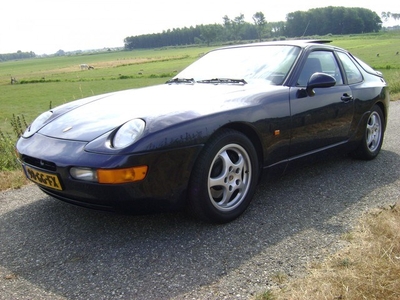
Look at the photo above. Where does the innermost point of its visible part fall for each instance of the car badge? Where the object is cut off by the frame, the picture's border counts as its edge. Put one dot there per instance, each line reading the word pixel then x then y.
pixel 67 129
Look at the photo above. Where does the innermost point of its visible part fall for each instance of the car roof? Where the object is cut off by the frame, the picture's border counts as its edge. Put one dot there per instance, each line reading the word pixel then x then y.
pixel 298 43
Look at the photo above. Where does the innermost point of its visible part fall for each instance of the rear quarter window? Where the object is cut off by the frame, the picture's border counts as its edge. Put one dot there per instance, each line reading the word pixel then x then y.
pixel 352 73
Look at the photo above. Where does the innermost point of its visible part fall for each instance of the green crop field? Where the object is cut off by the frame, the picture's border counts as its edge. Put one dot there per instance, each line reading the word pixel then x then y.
pixel 51 81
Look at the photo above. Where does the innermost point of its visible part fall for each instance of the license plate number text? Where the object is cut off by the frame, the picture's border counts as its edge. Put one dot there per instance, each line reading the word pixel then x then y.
pixel 42 178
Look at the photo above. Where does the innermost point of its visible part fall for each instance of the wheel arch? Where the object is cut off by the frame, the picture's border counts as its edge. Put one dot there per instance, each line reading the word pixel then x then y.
pixel 384 111
pixel 252 135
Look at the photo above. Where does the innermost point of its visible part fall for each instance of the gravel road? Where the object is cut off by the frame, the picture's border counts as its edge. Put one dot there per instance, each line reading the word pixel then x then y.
pixel 52 250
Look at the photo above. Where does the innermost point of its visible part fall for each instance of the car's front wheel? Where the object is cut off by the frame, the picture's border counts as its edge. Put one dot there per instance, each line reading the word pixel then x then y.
pixel 372 140
pixel 224 177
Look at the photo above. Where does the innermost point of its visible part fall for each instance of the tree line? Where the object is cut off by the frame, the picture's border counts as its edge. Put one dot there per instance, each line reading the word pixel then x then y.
pixel 318 21
pixel 17 55
pixel 332 20
pixel 387 15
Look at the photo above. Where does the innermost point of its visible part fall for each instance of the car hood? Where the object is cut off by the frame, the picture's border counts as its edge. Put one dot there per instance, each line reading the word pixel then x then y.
pixel 162 105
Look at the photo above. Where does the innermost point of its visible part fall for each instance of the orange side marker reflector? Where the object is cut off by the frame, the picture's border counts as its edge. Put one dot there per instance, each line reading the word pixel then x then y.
pixel 114 176
pixel 277 132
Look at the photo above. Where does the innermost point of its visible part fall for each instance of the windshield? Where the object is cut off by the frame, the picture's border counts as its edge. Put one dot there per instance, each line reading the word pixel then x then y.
pixel 270 64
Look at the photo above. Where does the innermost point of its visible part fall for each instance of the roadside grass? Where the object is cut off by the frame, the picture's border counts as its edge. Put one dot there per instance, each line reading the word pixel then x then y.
pixel 11 175
pixel 368 268
pixel 393 79
pixel 12 179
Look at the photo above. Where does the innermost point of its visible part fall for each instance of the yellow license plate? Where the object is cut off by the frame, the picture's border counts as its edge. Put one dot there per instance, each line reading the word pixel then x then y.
pixel 42 178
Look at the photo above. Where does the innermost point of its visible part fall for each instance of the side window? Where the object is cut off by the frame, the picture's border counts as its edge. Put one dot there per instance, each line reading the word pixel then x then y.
pixel 353 74
pixel 320 61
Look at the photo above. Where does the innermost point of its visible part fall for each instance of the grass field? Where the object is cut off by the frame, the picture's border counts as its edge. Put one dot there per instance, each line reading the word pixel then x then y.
pixel 51 81
pixel 56 80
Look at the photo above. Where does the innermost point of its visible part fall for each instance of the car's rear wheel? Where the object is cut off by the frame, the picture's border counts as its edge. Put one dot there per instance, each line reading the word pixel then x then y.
pixel 224 177
pixel 372 140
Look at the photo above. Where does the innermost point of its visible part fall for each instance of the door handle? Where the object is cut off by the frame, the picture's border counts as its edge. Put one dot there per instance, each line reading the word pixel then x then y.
pixel 346 97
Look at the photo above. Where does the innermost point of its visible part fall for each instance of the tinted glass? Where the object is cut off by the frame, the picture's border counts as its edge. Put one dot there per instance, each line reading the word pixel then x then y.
pixel 353 74
pixel 320 61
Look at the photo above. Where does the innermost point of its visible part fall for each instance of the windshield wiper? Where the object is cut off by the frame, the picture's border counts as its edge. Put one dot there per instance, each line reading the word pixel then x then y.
pixel 223 80
pixel 181 80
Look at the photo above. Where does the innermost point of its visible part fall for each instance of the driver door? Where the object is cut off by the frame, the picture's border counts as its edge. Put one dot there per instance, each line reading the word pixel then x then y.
pixel 324 119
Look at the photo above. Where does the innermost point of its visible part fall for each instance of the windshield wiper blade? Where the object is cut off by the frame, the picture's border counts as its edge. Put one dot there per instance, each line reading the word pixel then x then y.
pixel 223 80
pixel 181 80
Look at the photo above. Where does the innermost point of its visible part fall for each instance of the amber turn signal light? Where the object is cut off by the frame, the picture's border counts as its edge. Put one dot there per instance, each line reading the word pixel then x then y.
pixel 113 176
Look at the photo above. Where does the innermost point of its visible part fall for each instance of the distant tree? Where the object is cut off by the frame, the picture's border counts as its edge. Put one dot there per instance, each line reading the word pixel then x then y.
pixel 17 55
pixel 174 37
pixel 277 29
pixel 60 53
pixel 260 24
pixel 296 23
pixel 238 25
pixel 236 29
pixel 386 15
pixel 226 21
pixel 334 20
pixel 209 33
pixel 228 28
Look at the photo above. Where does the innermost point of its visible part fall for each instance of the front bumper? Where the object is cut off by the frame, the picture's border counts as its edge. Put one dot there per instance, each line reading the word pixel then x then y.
pixel 163 188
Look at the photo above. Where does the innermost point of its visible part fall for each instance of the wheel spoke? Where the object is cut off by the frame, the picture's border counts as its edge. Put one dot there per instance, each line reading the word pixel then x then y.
pixel 369 134
pixel 226 162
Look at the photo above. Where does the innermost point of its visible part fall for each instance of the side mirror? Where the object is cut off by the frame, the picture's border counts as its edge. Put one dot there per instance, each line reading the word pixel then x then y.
pixel 319 80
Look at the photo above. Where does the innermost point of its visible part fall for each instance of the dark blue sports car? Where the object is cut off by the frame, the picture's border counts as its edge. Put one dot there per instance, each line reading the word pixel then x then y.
pixel 202 140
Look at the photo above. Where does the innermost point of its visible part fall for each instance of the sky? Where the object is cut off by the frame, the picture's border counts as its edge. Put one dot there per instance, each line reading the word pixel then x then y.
pixel 46 26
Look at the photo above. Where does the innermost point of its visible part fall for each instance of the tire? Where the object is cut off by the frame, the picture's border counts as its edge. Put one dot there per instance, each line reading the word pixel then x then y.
pixel 224 178
pixel 372 140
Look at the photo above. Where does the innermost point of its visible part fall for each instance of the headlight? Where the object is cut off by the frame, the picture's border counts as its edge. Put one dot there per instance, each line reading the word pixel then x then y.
pixel 128 133
pixel 37 123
